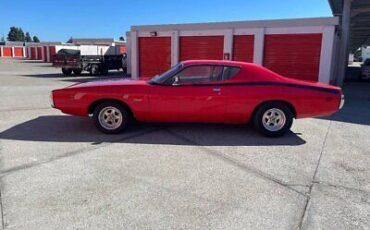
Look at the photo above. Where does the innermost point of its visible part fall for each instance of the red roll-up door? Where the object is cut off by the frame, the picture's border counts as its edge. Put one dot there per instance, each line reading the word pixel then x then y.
pixel 294 55
pixel 52 53
pixel 39 53
pixel 18 51
pixel 243 48
pixel 154 55
pixel 7 52
pixel 201 47
pixel 33 53
pixel 45 53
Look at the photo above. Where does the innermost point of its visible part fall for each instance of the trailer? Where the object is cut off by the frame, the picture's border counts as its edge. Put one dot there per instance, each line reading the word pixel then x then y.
pixel 91 58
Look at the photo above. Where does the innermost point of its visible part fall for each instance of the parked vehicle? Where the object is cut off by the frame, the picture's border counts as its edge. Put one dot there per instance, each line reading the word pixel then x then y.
pixel 94 59
pixel 365 70
pixel 202 91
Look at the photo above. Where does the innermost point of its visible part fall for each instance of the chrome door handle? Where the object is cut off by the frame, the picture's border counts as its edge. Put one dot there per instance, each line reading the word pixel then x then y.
pixel 216 90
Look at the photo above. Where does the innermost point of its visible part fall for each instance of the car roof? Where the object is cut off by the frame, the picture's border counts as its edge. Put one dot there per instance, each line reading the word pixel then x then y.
pixel 216 62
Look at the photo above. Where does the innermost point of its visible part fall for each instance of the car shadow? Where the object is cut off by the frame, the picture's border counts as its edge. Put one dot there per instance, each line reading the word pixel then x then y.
pixel 77 129
pixel 34 62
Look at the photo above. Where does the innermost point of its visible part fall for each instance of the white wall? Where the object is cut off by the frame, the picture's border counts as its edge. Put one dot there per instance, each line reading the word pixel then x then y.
pixel 91 49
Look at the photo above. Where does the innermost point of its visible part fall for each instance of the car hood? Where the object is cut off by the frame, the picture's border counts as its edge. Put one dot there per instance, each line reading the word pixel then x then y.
pixel 109 82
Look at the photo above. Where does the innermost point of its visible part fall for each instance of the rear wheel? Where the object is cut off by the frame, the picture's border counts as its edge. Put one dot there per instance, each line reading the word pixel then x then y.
pixel 111 117
pixel 77 71
pixel 66 72
pixel 273 119
pixel 94 70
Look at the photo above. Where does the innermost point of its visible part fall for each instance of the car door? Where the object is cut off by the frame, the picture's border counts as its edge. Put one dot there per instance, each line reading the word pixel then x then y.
pixel 193 94
pixel 239 97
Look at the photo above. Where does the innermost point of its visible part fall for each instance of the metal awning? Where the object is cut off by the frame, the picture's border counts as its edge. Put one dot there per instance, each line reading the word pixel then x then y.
pixel 359 31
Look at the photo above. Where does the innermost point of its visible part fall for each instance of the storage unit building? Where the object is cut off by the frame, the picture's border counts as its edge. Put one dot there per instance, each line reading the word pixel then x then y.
pixel 43 51
pixel 33 53
pixel 10 49
pixel 18 52
pixel 7 51
pixel 296 48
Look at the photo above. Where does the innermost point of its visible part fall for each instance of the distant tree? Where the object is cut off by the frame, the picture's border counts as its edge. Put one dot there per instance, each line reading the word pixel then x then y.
pixel 21 34
pixel 16 34
pixel 36 39
pixel 121 38
pixel 2 39
pixel 28 37
pixel 70 40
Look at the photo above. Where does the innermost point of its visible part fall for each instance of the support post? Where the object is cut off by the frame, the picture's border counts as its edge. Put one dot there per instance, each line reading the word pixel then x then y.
pixel 175 44
pixel 128 52
pixel 259 41
pixel 228 43
pixel 344 42
pixel 134 55
pixel 326 54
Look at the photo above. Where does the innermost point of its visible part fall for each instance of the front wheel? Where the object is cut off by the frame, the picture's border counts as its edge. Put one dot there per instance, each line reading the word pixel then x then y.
pixel 94 70
pixel 111 117
pixel 273 119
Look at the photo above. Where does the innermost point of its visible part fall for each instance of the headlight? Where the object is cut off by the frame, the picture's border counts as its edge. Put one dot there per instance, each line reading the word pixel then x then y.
pixel 341 102
pixel 51 100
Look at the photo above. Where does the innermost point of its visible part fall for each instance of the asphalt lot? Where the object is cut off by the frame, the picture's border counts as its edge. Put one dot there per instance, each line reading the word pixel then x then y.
pixel 58 172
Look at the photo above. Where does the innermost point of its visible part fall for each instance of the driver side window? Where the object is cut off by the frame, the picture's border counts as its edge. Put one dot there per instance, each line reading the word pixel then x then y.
pixel 198 74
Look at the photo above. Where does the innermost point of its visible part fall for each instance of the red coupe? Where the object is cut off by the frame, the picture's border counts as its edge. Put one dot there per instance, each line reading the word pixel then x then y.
pixel 201 91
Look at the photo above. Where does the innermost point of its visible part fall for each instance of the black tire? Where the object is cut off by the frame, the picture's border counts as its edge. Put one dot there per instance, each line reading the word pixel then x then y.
pixel 279 111
pixel 98 117
pixel 94 70
pixel 77 71
pixel 66 72
pixel 104 71
pixel 365 77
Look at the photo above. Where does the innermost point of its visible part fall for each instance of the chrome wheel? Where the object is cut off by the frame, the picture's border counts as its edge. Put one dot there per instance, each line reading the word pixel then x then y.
pixel 273 120
pixel 110 118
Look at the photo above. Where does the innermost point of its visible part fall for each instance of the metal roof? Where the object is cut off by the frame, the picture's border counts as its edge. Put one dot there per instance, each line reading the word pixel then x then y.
pixel 294 22
pixel 360 21
pixel 92 41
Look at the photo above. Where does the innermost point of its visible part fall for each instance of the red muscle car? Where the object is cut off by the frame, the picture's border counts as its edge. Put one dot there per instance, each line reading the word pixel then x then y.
pixel 202 91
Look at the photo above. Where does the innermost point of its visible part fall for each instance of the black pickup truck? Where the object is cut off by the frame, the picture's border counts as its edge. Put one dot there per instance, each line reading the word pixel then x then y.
pixel 72 61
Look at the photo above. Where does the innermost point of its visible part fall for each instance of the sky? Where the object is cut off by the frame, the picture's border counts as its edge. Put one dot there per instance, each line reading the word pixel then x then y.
pixel 58 20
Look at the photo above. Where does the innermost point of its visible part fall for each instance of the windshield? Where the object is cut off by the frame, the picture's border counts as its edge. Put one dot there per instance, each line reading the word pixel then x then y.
pixel 160 79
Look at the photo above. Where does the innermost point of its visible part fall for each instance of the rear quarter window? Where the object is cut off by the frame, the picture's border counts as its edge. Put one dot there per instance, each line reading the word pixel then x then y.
pixel 230 72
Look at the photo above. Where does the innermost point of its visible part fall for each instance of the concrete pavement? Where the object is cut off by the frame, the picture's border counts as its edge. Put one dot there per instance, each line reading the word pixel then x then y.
pixel 58 172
